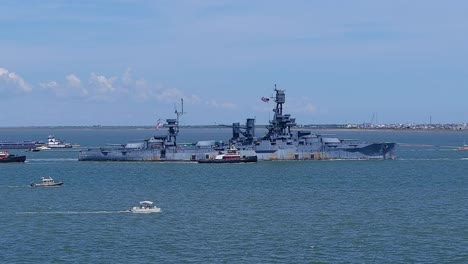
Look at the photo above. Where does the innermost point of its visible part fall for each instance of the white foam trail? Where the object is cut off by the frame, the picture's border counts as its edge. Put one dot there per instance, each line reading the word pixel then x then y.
pixel 75 212
pixel 14 186
pixel 54 159
pixel 426 159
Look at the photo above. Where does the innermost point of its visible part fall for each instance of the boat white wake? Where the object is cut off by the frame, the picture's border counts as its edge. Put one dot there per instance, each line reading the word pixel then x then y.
pixel 74 212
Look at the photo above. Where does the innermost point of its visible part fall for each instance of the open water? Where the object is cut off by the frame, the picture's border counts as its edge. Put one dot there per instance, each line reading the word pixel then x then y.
pixel 410 210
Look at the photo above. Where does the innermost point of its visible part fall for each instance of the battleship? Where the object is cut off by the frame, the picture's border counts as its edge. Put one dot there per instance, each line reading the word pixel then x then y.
pixel 282 141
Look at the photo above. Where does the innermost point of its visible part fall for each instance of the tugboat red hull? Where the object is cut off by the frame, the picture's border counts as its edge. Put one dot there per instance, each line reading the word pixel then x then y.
pixel 241 160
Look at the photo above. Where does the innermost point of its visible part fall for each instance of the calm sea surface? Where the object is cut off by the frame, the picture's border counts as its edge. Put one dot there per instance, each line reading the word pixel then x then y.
pixel 410 210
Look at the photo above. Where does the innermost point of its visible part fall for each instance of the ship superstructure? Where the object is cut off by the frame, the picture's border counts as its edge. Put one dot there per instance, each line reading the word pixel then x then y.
pixel 282 142
pixel 156 148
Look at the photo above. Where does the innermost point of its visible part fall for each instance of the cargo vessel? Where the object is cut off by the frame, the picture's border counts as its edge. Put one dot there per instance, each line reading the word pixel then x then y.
pixel 29 144
pixel 282 142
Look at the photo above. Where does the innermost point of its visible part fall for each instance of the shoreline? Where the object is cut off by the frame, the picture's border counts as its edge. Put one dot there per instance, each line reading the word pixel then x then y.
pixel 315 127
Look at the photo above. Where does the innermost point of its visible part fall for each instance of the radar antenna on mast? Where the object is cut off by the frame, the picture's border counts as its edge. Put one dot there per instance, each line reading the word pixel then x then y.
pixel 177 112
pixel 173 124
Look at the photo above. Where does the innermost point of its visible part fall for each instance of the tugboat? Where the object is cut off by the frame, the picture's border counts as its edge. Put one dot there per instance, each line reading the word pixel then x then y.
pixel 47 182
pixel 6 157
pixel 53 142
pixel 232 156
pixel 145 207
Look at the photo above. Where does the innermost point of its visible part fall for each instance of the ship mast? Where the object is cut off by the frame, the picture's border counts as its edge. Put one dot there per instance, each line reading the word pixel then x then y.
pixel 179 114
pixel 173 124
pixel 280 126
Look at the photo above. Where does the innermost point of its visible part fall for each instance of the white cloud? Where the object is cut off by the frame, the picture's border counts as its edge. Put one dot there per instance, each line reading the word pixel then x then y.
pixel 171 94
pixel 126 77
pixel 301 105
pixel 143 90
pixel 54 87
pixel 100 87
pixel 50 85
pixel 13 81
pixel 71 88
pixel 103 84
pixel 310 108
pixel 216 104
pixel 73 81
pixel 74 85
pixel 135 88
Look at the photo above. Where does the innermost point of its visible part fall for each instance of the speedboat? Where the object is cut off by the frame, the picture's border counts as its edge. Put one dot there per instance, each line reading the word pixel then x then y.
pixel 42 148
pixel 36 149
pixel 464 147
pixel 231 156
pixel 7 157
pixel 145 207
pixel 47 182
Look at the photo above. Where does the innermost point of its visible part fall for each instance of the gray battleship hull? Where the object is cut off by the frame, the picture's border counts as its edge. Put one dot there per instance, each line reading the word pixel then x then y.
pixel 126 154
pixel 286 152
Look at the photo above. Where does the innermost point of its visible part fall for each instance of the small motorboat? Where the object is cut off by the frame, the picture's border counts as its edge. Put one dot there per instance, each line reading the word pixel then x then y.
pixel 464 147
pixel 7 157
pixel 145 207
pixel 42 148
pixel 47 182
pixel 231 156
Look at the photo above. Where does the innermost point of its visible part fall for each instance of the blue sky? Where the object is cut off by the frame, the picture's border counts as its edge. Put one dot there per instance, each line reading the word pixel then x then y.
pixel 129 62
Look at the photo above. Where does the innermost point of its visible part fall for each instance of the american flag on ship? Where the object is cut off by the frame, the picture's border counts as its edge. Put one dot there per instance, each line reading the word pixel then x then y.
pixel 265 99
pixel 158 124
